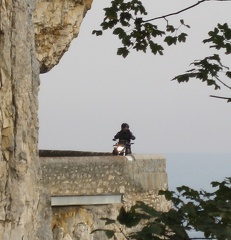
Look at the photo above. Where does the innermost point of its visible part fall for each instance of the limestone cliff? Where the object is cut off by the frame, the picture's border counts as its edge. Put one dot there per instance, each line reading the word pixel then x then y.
pixel 24 205
pixel 33 38
pixel 57 23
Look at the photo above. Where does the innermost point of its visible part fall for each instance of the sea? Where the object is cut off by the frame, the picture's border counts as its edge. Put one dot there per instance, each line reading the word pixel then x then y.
pixel 197 170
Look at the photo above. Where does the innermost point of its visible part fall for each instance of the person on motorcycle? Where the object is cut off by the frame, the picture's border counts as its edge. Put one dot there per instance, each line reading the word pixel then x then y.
pixel 125 135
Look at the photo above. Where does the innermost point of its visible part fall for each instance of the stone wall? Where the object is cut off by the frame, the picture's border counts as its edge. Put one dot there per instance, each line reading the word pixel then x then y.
pixel 136 178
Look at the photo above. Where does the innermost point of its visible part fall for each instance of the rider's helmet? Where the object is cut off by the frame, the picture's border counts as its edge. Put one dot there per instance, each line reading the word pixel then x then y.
pixel 124 125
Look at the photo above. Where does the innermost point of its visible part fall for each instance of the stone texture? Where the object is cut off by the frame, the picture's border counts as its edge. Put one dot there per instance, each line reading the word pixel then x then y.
pixel 76 223
pixel 103 174
pixel 137 179
pixel 21 195
pixel 25 211
pixel 57 23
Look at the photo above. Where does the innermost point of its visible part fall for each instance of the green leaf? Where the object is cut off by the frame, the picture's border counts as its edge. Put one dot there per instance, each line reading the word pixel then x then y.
pixel 129 219
pixel 168 194
pixel 138 21
pixel 125 16
pixel 170 40
pixel 111 13
pixel 182 78
pixel 228 48
pixel 228 74
pixel 118 31
pixel 123 51
pixel 170 28
pixel 156 48
pixel 211 82
pixel 182 37
pixel 109 233
pixel 227 34
pixel 153 229
pixel 182 21
pixel 126 41
pixel 97 32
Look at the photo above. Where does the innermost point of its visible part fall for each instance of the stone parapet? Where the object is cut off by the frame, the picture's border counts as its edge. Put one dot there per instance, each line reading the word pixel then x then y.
pixel 85 189
pixel 103 174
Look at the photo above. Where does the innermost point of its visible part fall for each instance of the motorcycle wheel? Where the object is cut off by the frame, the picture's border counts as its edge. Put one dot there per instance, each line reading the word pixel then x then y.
pixel 115 152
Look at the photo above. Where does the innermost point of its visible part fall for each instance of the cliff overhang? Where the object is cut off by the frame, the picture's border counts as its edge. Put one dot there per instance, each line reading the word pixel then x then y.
pixel 57 23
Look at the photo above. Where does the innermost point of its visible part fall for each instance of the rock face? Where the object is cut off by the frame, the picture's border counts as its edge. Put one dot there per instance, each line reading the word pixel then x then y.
pixel 25 211
pixel 24 208
pixel 57 22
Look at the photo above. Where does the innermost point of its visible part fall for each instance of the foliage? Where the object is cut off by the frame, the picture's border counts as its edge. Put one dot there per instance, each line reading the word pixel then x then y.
pixel 210 69
pixel 126 20
pixel 200 211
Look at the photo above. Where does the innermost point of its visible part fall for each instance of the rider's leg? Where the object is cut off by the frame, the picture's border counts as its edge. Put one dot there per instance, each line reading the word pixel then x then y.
pixel 128 150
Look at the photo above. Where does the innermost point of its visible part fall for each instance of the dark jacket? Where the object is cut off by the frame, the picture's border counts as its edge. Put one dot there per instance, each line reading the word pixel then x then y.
pixel 125 135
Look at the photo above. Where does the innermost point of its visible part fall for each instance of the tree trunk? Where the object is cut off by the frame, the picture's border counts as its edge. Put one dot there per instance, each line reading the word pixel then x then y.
pixel 24 206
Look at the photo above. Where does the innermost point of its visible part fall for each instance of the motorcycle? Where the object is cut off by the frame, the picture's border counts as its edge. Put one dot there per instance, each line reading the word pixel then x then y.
pixel 122 148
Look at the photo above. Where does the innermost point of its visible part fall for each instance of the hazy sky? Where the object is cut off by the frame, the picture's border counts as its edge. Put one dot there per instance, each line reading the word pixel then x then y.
pixel 86 97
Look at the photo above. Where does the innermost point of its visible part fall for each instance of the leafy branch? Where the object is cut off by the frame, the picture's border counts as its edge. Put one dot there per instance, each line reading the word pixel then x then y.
pixel 142 34
pixel 210 69
pixel 126 21
pixel 200 211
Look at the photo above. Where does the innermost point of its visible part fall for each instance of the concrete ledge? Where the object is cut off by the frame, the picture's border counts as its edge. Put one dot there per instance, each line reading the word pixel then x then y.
pixel 85 200
pixel 138 157
pixel 69 153
pixel 103 175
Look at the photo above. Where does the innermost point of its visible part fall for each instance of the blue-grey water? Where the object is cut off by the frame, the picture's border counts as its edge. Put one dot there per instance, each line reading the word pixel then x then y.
pixel 197 170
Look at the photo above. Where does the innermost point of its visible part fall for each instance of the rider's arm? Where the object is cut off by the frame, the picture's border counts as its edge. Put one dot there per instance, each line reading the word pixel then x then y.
pixel 132 136
pixel 116 136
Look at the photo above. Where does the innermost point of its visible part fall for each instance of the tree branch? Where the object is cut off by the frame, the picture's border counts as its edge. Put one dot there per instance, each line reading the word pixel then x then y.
pixel 175 13
pixel 226 98
pixel 222 81
pixel 121 231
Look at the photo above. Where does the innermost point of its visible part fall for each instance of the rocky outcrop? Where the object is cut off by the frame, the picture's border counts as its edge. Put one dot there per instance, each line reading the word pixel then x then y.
pixel 33 37
pixel 57 23
pixel 24 205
